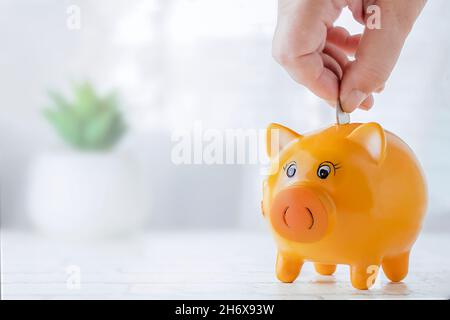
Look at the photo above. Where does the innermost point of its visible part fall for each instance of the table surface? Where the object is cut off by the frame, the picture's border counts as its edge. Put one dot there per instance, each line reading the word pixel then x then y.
pixel 200 265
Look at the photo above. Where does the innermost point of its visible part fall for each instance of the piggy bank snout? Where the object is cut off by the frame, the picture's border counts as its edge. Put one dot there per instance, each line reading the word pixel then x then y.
pixel 299 213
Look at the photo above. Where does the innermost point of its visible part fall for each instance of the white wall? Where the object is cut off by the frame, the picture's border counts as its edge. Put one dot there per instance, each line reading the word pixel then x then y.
pixel 176 62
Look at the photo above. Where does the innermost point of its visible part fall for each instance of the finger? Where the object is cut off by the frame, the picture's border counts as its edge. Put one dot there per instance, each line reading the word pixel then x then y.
pixel 337 55
pixel 311 71
pixel 331 64
pixel 302 27
pixel 379 89
pixel 299 39
pixel 331 56
pixel 376 56
pixel 357 9
pixel 368 103
pixel 341 38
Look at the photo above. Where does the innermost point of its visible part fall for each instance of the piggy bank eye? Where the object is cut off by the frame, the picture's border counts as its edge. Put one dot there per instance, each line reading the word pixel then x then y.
pixel 323 171
pixel 291 170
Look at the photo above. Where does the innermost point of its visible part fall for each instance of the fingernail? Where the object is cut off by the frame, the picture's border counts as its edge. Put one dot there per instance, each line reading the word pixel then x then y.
pixel 365 108
pixel 367 104
pixel 331 103
pixel 353 100
pixel 380 89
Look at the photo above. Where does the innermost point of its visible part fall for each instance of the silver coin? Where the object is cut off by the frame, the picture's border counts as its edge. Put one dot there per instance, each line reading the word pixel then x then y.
pixel 341 116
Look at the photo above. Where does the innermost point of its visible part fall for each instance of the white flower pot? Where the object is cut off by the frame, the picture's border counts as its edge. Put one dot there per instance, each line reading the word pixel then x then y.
pixel 87 195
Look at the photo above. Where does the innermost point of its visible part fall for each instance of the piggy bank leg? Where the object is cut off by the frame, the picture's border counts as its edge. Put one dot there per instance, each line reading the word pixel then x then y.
pixel 363 275
pixel 288 267
pixel 396 267
pixel 325 269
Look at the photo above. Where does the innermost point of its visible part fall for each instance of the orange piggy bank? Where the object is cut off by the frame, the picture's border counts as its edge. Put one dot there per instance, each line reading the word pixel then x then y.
pixel 350 194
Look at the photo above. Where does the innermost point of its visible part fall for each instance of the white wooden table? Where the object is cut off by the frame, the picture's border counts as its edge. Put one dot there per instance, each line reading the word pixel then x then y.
pixel 201 265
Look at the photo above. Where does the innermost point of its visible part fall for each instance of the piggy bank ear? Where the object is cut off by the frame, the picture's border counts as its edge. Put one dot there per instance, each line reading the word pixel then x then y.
pixel 278 137
pixel 371 137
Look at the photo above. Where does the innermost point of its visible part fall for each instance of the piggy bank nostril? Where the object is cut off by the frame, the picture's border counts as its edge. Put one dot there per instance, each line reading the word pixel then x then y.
pixel 306 210
pixel 312 218
pixel 284 216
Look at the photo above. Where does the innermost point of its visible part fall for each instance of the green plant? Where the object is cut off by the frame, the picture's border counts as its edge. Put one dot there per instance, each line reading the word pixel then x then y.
pixel 89 122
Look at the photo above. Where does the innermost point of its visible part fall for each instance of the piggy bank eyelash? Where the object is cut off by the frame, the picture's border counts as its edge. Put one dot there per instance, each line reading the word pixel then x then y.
pixel 336 166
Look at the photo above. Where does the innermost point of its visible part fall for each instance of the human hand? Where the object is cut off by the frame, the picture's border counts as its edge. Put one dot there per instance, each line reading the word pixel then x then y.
pixel 315 53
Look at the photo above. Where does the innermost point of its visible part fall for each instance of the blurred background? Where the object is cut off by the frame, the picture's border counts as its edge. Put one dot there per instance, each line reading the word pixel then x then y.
pixel 135 71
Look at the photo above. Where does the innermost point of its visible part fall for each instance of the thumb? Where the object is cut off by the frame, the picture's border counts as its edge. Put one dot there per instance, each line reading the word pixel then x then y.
pixel 377 53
